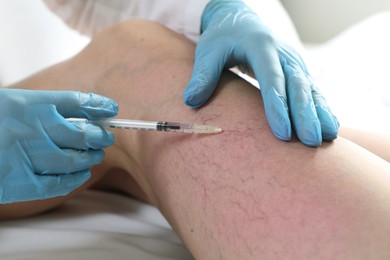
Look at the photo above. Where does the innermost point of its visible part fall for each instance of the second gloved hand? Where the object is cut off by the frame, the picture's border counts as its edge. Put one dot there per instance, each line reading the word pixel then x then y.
pixel 41 154
pixel 232 34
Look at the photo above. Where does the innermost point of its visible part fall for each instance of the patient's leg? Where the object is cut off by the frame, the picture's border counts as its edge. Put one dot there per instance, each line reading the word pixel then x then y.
pixel 242 194
pixel 378 143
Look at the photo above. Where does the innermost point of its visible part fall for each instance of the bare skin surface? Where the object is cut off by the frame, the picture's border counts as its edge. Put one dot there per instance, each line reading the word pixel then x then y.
pixel 242 194
pixel 378 143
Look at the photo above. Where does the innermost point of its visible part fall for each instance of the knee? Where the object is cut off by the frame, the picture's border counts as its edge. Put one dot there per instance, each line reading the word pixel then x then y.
pixel 133 33
pixel 129 39
pixel 141 30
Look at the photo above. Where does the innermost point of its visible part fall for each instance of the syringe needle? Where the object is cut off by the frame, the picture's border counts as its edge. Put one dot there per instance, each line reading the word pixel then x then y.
pixel 206 129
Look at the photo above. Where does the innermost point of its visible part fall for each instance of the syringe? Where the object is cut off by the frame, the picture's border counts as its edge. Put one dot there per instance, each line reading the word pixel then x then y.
pixel 151 125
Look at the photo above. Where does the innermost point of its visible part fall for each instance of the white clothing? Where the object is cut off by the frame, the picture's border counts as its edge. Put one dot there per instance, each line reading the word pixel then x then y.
pixel 90 16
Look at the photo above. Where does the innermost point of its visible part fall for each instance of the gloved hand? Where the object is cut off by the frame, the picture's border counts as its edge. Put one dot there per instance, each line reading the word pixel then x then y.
pixel 41 154
pixel 232 34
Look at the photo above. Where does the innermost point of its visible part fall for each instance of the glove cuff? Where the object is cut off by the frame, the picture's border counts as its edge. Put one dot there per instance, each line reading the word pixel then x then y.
pixel 221 8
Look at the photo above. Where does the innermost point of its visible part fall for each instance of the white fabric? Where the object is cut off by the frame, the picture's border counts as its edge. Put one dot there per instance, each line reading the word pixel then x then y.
pixel 90 16
pixel 96 225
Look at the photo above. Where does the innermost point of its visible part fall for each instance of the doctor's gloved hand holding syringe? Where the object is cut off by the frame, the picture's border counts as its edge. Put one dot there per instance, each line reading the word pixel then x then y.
pixel 232 35
pixel 41 154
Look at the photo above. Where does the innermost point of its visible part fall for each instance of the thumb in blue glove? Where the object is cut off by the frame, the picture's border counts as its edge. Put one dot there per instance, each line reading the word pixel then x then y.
pixel 232 34
pixel 41 154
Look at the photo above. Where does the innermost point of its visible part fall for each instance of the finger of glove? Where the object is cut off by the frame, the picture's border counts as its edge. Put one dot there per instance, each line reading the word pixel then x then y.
pixel 329 123
pixel 41 187
pixel 304 115
pixel 65 161
pixel 208 67
pixel 61 185
pixel 78 104
pixel 269 74
pixel 78 135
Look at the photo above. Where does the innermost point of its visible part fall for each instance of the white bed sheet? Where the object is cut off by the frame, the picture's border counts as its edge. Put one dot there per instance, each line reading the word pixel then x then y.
pixel 96 225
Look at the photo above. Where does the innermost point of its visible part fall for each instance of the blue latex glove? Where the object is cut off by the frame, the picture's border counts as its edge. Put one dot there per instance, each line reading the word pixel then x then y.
pixel 232 34
pixel 41 154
